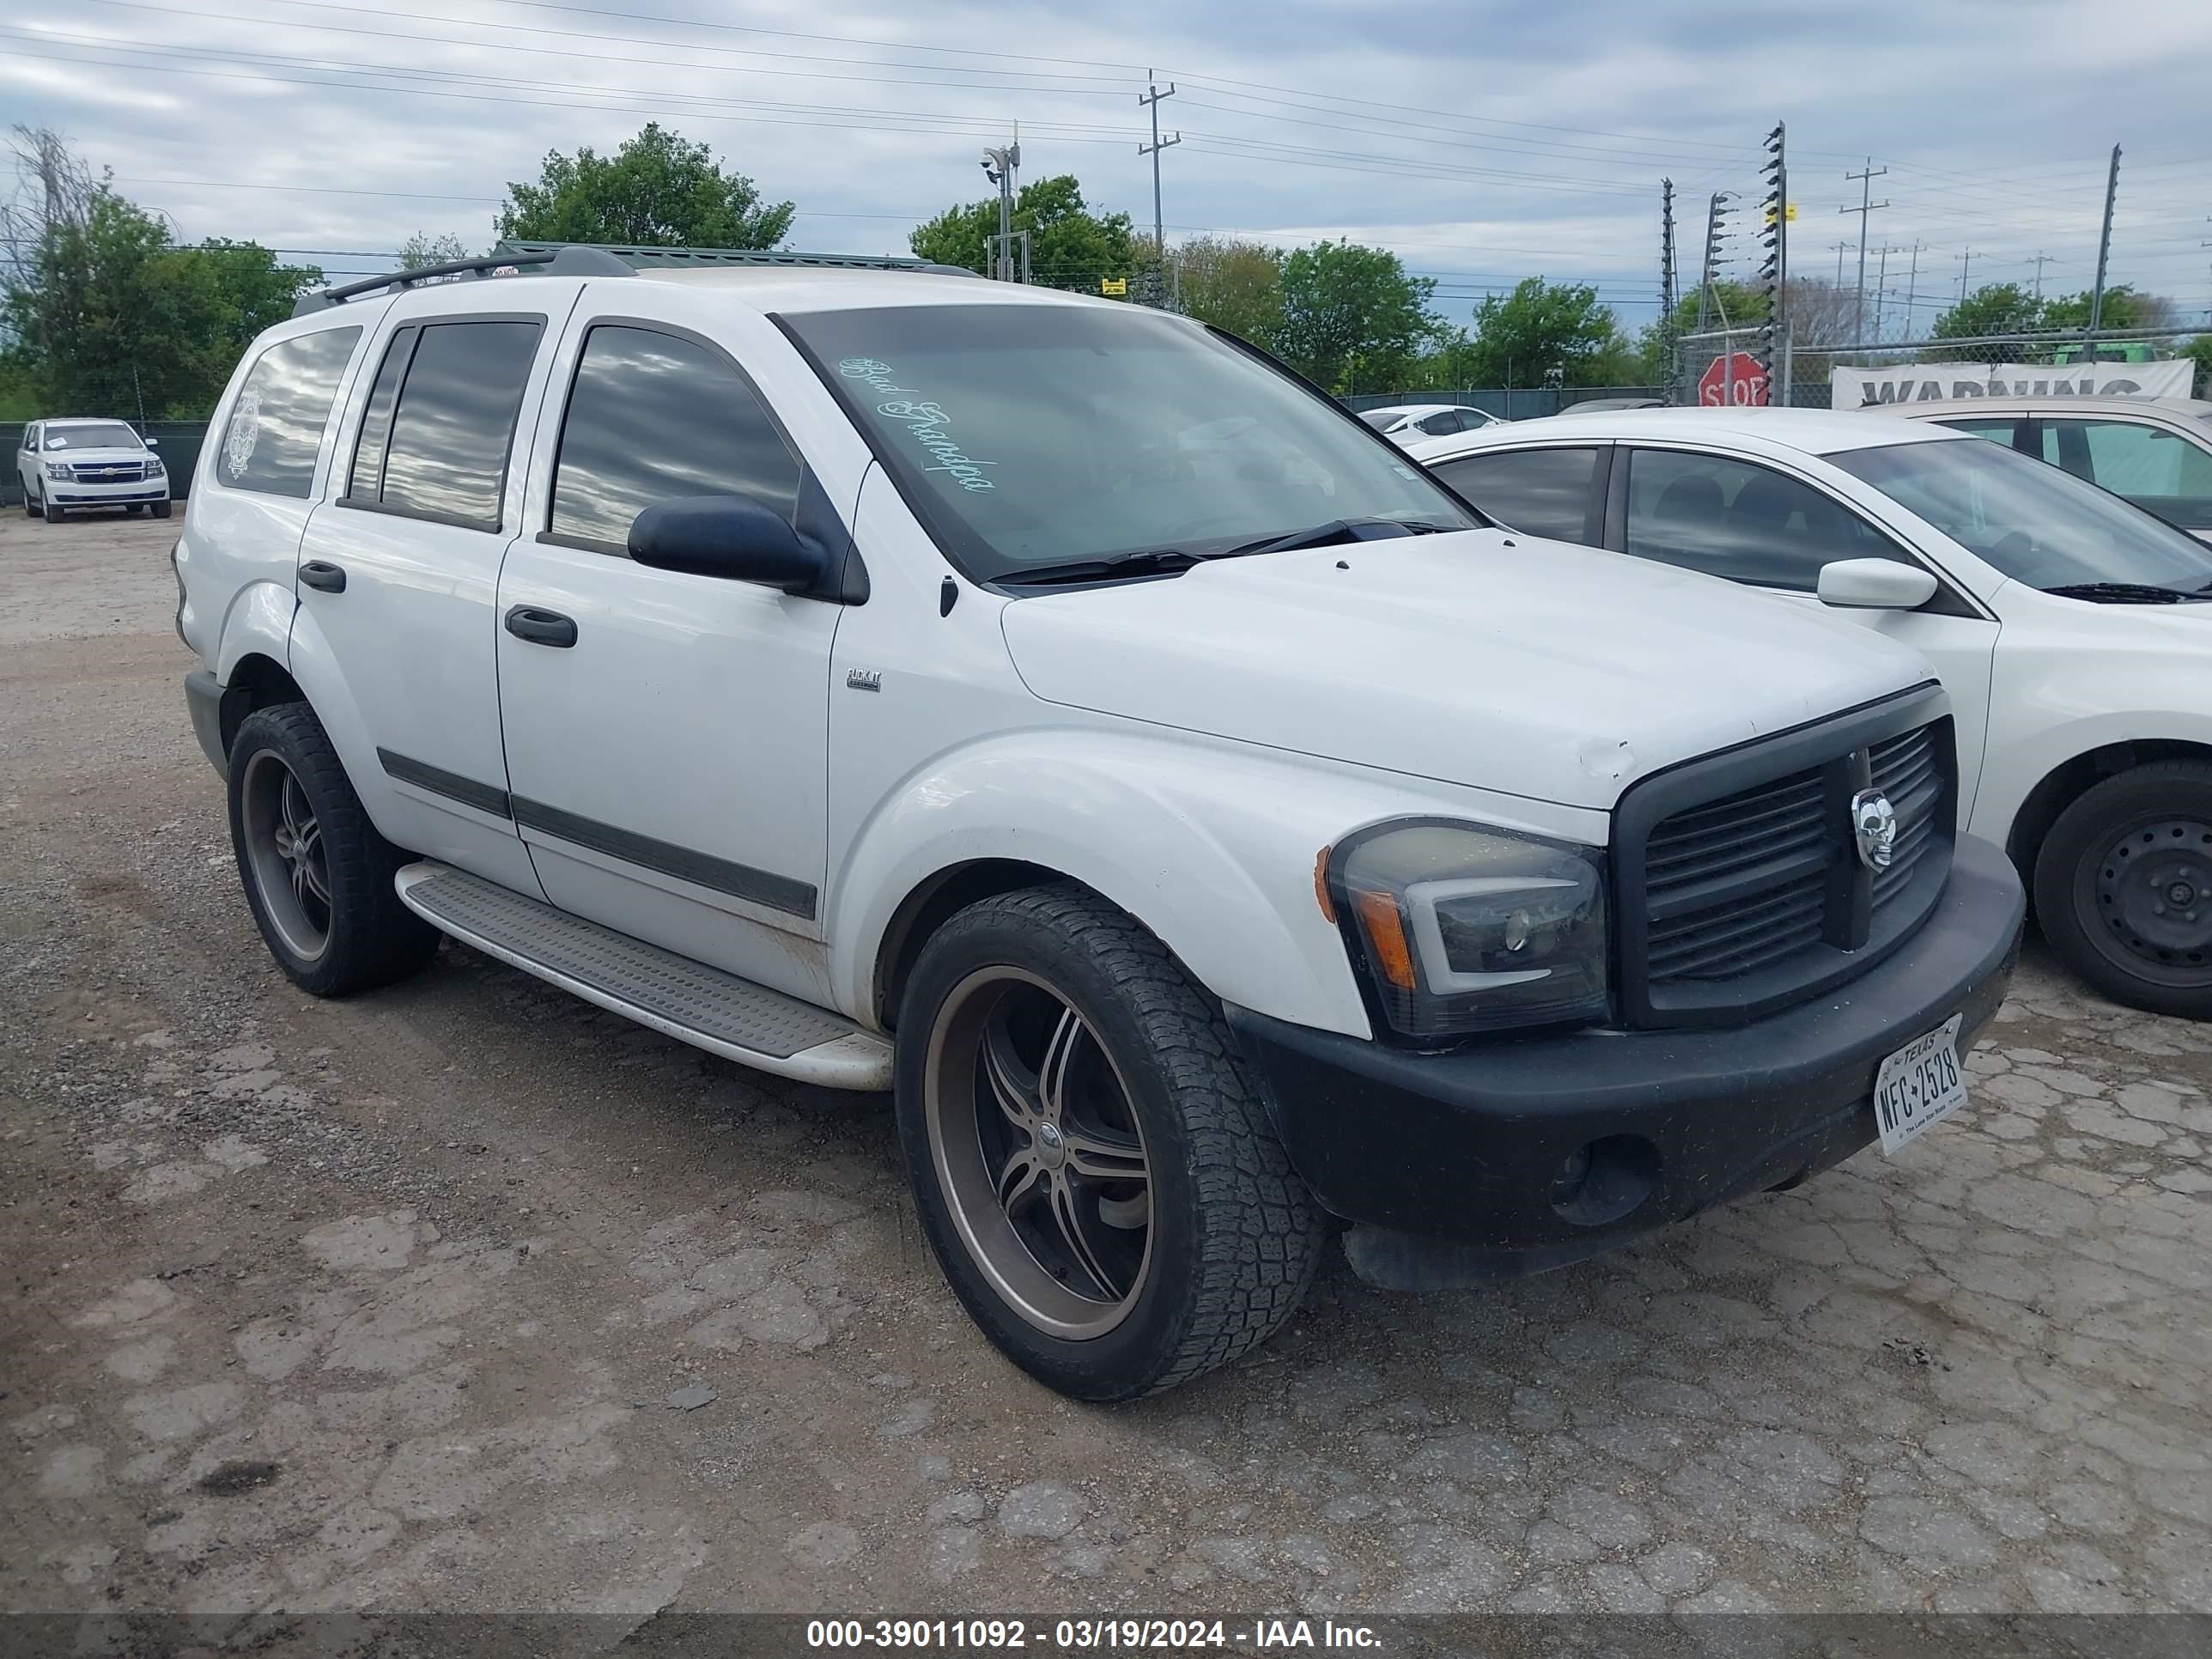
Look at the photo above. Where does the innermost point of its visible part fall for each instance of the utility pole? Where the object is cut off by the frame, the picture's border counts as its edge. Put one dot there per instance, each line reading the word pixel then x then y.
pixel 2041 261
pixel 1842 248
pixel 1866 206
pixel 1912 293
pixel 1667 285
pixel 1881 285
pixel 1150 97
pixel 999 166
pixel 2104 258
pixel 1966 263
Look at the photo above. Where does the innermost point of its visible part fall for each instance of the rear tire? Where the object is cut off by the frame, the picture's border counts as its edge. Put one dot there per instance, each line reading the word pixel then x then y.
pixel 316 873
pixel 1090 1160
pixel 160 509
pixel 2124 888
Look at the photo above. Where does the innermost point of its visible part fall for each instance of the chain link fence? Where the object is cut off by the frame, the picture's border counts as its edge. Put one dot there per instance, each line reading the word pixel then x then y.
pixel 1720 368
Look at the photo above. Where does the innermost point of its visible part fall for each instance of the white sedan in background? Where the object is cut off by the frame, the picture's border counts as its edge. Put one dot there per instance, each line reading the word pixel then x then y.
pixel 1410 423
pixel 2157 452
pixel 2072 629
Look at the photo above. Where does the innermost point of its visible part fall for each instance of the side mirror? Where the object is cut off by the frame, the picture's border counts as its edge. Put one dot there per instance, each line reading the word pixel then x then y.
pixel 1875 585
pixel 733 536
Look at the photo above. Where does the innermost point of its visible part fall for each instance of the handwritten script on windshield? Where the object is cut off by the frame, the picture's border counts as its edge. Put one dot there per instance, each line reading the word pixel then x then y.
pixel 927 421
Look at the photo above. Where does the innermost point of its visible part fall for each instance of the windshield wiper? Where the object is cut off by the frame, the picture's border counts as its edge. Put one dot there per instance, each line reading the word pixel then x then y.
pixel 1151 562
pixel 1339 530
pixel 2124 593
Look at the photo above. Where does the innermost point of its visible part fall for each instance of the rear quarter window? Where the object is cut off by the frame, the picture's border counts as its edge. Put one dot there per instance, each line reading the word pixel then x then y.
pixel 275 432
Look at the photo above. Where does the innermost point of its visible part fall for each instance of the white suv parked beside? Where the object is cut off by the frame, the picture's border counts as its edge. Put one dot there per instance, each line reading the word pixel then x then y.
pixel 1051 710
pixel 66 465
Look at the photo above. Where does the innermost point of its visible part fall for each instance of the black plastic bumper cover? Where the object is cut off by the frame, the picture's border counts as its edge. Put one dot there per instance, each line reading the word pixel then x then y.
pixel 1456 1154
pixel 203 698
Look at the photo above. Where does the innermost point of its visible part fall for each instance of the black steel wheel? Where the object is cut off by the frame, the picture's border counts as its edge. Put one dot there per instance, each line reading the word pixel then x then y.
pixel 2124 887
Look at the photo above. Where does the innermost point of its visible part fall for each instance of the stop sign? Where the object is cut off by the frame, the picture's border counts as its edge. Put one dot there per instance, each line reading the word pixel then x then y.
pixel 1735 380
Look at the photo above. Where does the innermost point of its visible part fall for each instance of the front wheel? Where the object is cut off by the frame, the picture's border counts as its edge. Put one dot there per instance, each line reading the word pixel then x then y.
pixel 316 873
pixel 1091 1162
pixel 160 509
pixel 2124 888
pixel 52 513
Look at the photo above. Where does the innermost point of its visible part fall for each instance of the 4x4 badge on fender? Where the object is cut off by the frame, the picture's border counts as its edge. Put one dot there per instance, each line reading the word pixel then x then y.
pixel 1873 828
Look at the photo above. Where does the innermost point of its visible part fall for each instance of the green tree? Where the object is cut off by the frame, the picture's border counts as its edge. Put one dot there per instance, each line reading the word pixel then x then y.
pixel 424 249
pixel 2123 309
pixel 657 190
pixel 1070 247
pixel 1522 337
pixel 2199 351
pixel 1352 319
pixel 1992 308
pixel 107 318
pixel 1234 285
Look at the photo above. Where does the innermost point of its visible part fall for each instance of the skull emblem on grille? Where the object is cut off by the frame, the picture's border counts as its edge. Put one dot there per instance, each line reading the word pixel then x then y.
pixel 1873 828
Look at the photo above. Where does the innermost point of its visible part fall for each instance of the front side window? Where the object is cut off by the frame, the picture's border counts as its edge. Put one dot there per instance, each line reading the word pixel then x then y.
pixel 1546 492
pixel 93 434
pixel 275 432
pixel 2152 467
pixel 655 417
pixel 2036 524
pixel 1742 521
pixel 1032 434
pixel 440 421
pixel 1443 422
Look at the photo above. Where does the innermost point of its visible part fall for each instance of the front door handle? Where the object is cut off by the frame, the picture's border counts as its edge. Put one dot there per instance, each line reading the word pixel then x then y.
pixel 527 622
pixel 317 572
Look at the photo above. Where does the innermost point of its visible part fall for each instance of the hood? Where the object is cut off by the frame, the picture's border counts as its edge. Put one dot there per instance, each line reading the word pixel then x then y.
pixel 102 455
pixel 1501 662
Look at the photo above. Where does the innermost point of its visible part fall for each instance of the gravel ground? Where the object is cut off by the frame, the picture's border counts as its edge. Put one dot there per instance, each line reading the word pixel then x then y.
pixel 381 1303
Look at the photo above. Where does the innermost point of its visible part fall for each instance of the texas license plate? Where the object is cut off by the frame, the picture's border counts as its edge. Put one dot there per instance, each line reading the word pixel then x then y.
pixel 1920 1085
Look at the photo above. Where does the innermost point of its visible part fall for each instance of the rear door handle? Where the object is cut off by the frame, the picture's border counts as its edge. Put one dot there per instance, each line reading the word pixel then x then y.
pixel 330 577
pixel 527 622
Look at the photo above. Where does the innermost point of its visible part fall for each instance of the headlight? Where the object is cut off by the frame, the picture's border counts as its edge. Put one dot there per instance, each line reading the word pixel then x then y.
pixel 60 470
pixel 154 467
pixel 1461 928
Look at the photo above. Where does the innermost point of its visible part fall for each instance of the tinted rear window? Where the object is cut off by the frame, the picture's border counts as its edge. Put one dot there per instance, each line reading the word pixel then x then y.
pixel 447 456
pixel 275 427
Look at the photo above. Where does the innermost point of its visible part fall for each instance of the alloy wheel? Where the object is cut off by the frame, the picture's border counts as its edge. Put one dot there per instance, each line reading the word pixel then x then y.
pixel 1038 1150
pixel 285 856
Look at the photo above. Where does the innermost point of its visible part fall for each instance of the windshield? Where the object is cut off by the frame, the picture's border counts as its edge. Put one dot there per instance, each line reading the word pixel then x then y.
pixel 1037 434
pixel 2033 521
pixel 93 434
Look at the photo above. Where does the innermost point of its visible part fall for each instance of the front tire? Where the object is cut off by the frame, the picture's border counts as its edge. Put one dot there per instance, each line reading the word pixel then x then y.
pixel 2124 888
pixel 160 509
pixel 316 874
pixel 51 512
pixel 1091 1162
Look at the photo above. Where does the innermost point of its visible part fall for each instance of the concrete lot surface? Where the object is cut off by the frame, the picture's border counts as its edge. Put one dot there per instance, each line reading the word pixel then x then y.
pixel 380 1304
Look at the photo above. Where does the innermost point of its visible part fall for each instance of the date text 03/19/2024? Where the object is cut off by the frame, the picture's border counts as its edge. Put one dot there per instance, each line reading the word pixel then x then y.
pixel 1086 1635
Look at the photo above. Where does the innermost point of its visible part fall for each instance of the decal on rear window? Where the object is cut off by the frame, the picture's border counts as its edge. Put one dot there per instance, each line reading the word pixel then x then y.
pixel 926 420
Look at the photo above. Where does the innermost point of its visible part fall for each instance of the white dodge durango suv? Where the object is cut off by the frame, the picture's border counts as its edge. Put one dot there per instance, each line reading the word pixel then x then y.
pixel 1202 820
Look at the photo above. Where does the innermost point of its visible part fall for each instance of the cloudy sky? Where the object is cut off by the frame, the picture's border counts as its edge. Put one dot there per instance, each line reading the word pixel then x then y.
pixel 1481 140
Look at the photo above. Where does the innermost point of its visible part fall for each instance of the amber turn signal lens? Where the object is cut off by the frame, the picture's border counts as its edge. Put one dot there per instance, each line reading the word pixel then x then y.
pixel 1386 937
pixel 1320 886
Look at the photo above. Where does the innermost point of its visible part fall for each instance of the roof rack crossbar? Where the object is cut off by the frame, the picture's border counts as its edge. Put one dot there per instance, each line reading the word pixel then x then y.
pixel 557 259
pixel 639 256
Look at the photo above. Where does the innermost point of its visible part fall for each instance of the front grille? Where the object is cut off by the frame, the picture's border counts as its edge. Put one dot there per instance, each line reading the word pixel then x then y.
pixel 110 472
pixel 1740 897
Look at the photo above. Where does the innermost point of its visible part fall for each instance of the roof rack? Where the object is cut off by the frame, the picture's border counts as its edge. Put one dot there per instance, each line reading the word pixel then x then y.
pixel 687 259
pixel 556 258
